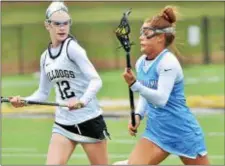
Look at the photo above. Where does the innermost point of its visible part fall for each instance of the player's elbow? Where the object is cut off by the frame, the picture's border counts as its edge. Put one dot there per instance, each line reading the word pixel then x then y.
pixel 98 83
pixel 161 101
pixel 43 95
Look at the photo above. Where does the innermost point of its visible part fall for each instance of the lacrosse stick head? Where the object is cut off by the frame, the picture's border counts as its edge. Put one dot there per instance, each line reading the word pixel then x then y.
pixel 123 31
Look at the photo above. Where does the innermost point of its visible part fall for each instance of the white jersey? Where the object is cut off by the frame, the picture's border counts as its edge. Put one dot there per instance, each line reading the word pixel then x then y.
pixel 73 76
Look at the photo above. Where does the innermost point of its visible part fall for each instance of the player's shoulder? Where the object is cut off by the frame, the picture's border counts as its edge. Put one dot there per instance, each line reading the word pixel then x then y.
pixel 74 50
pixel 139 60
pixel 44 54
pixel 170 59
pixel 74 45
pixel 141 57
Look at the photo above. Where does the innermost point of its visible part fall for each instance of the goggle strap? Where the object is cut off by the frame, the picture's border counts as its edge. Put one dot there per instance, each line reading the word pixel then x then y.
pixel 165 30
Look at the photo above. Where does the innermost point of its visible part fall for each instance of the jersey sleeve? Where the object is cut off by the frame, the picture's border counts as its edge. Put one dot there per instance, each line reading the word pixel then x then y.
pixel 78 55
pixel 141 106
pixel 42 93
pixel 169 72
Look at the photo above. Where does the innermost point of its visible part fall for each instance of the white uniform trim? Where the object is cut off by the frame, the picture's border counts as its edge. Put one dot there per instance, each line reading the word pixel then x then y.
pixel 75 137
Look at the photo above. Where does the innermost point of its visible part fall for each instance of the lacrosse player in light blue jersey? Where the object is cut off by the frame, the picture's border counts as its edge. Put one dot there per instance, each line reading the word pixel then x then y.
pixel 171 127
pixel 65 65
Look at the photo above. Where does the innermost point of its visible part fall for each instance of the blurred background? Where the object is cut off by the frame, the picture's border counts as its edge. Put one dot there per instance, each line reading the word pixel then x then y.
pixel 200 48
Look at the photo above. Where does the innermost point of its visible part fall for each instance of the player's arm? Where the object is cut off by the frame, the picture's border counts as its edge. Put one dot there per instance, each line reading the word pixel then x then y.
pixel 42 93
pixel 141 107
pixel 78 55
pixel 167 70
pixel 139 115
pixel 142 103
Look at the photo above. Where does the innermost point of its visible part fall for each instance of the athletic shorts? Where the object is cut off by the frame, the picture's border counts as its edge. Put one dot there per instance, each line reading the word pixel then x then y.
pixel 91 131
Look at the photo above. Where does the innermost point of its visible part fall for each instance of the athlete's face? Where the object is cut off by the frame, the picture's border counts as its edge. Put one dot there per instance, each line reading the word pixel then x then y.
pixel 149 44
pixel 59 26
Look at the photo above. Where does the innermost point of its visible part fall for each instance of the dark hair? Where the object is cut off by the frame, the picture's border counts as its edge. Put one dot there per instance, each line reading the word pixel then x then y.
pixel 167 18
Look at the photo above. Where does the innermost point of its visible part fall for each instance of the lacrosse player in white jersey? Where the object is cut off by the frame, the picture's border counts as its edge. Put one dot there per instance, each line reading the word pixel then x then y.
pixel 65 65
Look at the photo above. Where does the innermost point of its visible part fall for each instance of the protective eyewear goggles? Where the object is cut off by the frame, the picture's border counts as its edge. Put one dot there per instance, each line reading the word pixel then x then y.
pixel 60 23
pixel 150 32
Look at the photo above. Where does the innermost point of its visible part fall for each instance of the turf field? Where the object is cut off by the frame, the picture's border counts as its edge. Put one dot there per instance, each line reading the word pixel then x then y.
pixel 25 141
pixel 199 80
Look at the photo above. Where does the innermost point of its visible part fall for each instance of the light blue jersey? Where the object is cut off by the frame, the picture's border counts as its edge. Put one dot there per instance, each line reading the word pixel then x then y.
pixel 171 125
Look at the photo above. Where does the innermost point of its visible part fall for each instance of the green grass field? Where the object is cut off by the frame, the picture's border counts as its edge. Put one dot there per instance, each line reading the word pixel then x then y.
pixel 18 149
pixel 200 80
pixel 25 141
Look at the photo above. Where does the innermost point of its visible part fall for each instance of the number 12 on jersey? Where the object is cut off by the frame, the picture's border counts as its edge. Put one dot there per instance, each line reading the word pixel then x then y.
pixel 64 89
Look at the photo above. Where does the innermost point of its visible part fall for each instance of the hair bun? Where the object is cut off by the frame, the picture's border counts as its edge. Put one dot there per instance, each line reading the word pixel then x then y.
pixel 169 14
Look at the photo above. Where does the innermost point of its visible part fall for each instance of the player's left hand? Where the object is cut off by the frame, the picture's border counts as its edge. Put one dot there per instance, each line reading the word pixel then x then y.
pixel 133 129
pixel 74 104
pixel 129 76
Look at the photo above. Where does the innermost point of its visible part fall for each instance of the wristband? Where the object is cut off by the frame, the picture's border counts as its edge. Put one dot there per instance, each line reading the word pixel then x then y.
pixel 132 83
pixel 139 115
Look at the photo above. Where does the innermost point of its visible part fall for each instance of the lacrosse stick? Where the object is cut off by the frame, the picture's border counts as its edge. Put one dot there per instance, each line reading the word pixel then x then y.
pixel 28 102
pixel 122 34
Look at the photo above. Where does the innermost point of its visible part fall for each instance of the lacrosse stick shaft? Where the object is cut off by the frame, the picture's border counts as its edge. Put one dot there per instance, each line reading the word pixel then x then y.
pixel 122 34
pixel 132 113
pixel 6 100
pixel 45 103
pixel 128 60
pixel 131 95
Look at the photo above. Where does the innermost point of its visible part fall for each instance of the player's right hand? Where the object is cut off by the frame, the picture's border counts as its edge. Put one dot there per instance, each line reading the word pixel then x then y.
pixel 16 101
pixel 133 129
pixel 74 104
